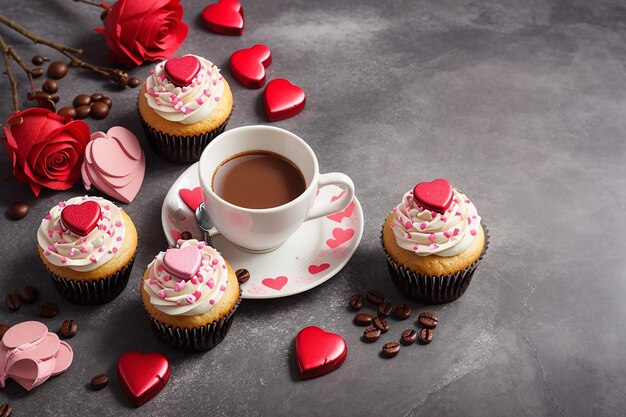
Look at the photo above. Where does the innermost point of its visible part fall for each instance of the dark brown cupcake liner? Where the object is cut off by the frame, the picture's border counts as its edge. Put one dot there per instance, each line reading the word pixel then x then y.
pixel 180 149
pixel 99 291
pixel 433 289
pixel 196 339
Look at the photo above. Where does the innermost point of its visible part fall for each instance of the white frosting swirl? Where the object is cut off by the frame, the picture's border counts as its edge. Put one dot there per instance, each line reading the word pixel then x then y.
pixel 175 296
pixel 82 253
pixel 188 104
pixel 427 232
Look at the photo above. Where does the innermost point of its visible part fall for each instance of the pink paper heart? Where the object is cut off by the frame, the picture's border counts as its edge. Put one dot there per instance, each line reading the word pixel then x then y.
pixel 316 269
pixel 192 198
pixel 275 283
pixel 183 263
pixel 340 236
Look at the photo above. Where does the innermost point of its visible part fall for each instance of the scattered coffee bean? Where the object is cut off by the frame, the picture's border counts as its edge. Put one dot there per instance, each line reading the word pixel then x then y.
pixel 186 235
pixel 428 320
pixel 17 210
pixel 82 112
pixel 356 302
pixel 426 336
pixel 13 302
pixel 99 110
pixel 5 410
pixel 3 330
pixel 81 100
pixel 69 328
pixel 375 297
pixel 384 309
pixel 371 334
pixel 363 319
pixel 67 111
pixel 409 336
pixel 381 324
pixel 55 98
pixel 96 96
pixel 36 72
pixel 99 381
pixel 38 60
pixel 402 311
pixel 50 86
pixel 133 82
pixel 57 70
pixel 48 310
pixel 391 349
pixel 243 275
pixel 106 100
pixel 29 294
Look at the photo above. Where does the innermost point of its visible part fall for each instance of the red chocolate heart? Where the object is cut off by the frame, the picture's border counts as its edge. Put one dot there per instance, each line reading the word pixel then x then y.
pixel 181 71
pixel 282 100
pixel 248 65
pixel 225 17
pixel 319 352
pixel 81 218
pixel 435 195
pixel 142 375
pixel 192 198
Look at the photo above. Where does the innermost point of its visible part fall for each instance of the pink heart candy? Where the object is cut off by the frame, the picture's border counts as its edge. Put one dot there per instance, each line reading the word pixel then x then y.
pixel 183 263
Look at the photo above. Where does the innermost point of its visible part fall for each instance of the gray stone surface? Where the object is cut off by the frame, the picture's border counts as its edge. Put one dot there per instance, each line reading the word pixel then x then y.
pixel 519 103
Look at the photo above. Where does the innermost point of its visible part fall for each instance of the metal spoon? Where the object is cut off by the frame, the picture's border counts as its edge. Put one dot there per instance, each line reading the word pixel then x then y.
pixel 204 223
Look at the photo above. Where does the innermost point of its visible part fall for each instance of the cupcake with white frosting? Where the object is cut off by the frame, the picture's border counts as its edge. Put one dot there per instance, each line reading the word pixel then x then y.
pixel 88 245
pixel 183 105
pixel 190 294
pixel 434 241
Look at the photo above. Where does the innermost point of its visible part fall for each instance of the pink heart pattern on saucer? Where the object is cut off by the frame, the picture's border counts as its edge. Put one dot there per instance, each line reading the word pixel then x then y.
pixel 114 164
pixel 30 355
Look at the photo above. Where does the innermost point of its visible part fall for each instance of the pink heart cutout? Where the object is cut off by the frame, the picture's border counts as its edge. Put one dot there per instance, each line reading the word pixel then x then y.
pixel 192 198
pixel 183 263
pixel 340 236
pixel 275 283
pixel 316 269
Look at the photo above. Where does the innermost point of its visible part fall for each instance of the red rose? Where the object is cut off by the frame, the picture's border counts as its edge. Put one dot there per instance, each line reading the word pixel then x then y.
pixel 143 30
pixel 45 151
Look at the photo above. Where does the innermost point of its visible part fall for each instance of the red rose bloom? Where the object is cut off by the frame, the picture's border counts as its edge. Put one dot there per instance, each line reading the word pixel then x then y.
pixel 45 151
pixel 143 30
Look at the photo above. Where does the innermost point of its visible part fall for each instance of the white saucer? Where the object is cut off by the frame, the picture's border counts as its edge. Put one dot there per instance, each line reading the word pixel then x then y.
pixel 314 254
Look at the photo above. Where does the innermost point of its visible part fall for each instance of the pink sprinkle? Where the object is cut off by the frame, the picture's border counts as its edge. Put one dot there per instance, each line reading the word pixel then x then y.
pixel 177 303
pixel 62 204
pixel 214 262
pixel 51 248
pixel 151 71
pixel 83 249
pixel 200 279
pixel 458 213
pixel 474 216
pixel 433 214
pixel 50 233
pixel 432 237
pixel 184 89
pixel 194 281
pixel 211 284
pixel 162 293
pixel 46 252
pixel 467 201
pixel 469 220
pixel 423 226
pixel 107 207
pixel 200 100
pixel 434 246
pixel 223 266
pixel 207 93
pixel 167 278
pixel 456 232
pixel 214 82
pixel 72 252
pixel 415 247
pixel 114 250
pixel 93 259
pixel 153 281
pixel 407 236
pixel 197 294
pixel 190 299
pixel 160 268
pixel 119 238
pixel 211 302
pixel 408 225
pixel 48 216
pixel 395 209
pixel 217 99
pixel 222 288
pixel 179 285
pixel 158 103
pixel 101 249
pixel 473 232
pixel 447 234
pixel 444 219
pixel 63 260
pixel 201 245
pixel 118 223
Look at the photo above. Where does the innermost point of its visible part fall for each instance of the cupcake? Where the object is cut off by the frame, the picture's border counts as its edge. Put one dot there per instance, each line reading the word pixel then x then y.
pixel 88 245
pixel 183 105
pixel 190 294
pixel 433 240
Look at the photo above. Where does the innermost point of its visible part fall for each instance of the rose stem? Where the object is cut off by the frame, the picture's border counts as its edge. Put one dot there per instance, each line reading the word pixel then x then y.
pixel 91 3
pixel 9 73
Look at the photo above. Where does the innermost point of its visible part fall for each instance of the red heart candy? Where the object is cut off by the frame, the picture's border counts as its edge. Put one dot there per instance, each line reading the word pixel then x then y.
pixel 81 218
pixel 435 195
pixel 192 198
pixel 282 100
pixel 319 352
pixel 181 71
pixel 225 17
pixel 142 376
pixel 248 65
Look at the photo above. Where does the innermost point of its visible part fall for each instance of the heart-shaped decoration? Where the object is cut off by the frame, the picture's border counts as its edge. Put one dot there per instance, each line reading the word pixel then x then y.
pixel 316 269
pixel 81 218
pixel 192 198
pixel 181 71
pixel 183 263
pixel 282 100
pixel 339 216
pixel 275 283
pixel 435 195
pixel 319 352
pixel 225 17
pixel 248 65
pixel 142 376
pixel 340 236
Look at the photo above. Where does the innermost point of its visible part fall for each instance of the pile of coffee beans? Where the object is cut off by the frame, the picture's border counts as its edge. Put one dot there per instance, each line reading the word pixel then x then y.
pixel 379 325
pixel 30 295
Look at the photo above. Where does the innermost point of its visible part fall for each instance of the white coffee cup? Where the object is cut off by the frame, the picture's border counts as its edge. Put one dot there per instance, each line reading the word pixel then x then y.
pixel 263 230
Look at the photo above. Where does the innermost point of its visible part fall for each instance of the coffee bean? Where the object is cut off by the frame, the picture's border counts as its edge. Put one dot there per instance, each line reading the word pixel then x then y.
pixel 371 334
pixel 99 381
pixel 133 82
pixel 13 302
pixel 426 336
pixel 99 110
pixel 82 112
pixel 57 70
pixel 106 100
pixel 48 310
pixel 81 100
pixel 69 328
pixel 3 330
pixel 17 210
pixel 5 410
pixel 409 336
pixel 402 311
pixel 96 96
pixel 67 111
pixel 38 60
pixel 243 275
pixel 36 72
pixel 384 309
pixel 428 320
pixel 362 319
pixel 55 98
pixel 381 324
pixel 391 349
pixel 375 297
pixel 50 86
pixel 29 294
pixel 356 302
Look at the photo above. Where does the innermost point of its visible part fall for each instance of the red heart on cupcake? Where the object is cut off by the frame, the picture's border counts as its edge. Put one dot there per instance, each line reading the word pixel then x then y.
pixel 181 71
pixel 142 376
pixel 282 100
pixel 319 352
pixel 81 218
pixel 225 17
pixel 435 195
pixel 248 65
